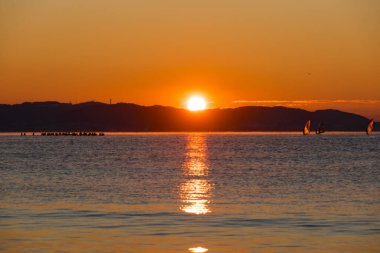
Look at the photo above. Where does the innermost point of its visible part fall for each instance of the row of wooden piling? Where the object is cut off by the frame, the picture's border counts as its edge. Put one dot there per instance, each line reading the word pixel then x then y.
pixel 67 134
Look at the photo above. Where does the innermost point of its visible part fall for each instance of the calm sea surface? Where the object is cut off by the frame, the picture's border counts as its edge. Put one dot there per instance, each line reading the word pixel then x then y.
pixel 190 193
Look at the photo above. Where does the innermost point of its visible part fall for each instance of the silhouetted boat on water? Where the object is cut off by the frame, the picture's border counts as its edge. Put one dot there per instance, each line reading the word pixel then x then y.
pixel 370 127
pixel 320 128
pixel 306 129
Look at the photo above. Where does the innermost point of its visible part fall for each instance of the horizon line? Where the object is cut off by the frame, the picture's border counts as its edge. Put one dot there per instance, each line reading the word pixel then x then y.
pixel 304 102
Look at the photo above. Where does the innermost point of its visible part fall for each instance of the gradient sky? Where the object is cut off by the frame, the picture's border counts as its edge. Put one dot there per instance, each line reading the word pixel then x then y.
pixel 307 54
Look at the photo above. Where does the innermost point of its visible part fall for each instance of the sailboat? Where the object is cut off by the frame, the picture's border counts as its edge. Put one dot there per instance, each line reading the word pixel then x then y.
pixel 320 128
pixel 369 127
pixel 306 129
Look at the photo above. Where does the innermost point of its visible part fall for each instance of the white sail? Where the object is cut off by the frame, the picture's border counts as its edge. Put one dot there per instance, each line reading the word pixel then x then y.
pixel 370 127
pixel 306 129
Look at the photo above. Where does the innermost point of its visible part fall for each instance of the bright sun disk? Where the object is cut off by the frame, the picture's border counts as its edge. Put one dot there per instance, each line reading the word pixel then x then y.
pixel 196 103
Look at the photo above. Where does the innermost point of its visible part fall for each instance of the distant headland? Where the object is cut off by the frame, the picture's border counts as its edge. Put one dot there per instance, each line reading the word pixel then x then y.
pixel 101 117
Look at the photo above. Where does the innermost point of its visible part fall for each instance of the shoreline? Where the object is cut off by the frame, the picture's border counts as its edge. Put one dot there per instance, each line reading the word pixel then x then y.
pixel 194 132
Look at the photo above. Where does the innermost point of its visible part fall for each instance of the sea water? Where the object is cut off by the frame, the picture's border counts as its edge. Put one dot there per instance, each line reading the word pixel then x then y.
pixel 190 192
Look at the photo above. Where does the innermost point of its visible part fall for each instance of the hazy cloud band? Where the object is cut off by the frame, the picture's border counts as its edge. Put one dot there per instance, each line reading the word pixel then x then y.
pixel 353 101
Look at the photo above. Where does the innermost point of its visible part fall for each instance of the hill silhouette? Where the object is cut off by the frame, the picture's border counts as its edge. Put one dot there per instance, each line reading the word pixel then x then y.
pixel 95 116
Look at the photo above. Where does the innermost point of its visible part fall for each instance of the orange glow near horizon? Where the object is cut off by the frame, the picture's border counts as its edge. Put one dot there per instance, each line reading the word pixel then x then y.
pixel 139 52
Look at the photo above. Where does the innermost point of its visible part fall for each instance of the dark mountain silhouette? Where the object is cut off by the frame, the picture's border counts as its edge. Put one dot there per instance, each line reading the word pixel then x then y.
pixel 95 116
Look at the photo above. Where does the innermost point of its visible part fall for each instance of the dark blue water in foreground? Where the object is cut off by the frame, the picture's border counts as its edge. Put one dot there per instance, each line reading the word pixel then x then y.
pixel 190 193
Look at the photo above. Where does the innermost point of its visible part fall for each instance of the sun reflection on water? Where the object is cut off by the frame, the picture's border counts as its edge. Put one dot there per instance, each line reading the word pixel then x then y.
pixel 195 191
pixel 198 250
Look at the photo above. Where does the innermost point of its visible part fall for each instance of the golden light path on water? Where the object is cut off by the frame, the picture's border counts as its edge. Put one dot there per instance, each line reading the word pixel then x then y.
pixel 198 250
pixel 195 191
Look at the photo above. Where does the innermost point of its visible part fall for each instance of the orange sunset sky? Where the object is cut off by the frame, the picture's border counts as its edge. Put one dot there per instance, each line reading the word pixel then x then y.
pixel 306 54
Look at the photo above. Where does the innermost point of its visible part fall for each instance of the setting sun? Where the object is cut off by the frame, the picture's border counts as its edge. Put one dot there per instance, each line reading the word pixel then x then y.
pixel 196 103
